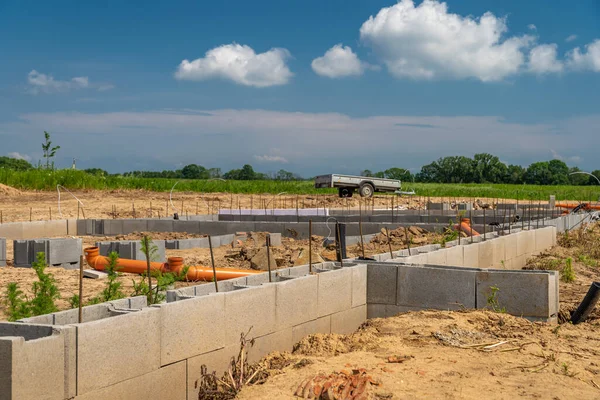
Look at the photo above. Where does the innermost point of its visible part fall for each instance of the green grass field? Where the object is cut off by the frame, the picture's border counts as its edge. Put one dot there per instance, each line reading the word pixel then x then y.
pixel 75 180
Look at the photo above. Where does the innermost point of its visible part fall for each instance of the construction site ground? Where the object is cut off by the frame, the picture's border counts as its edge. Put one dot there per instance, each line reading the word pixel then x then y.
pixel 18 205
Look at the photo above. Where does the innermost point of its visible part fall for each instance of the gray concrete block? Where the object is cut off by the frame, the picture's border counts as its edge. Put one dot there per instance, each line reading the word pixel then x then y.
pixel 376 311
pixel 444 288
pixel 296 301
pixel 134 225
pixel 348 321
pixel 168 382
pixel 160 225
pixel 359 285
pixel 531 294
pixel 485 254
pixel 131 249
pixel 470 255
pixel 189 327
pixel 116 349
pixel 335 291
pixel 215 361
pixel 276 341
pixel 319 325
pixel 544 238
pixel 112 227
pixel 25 360
pixel 525 242
pixel 454 256
pixel 59 252
pixel 252 307
pixel 12 230
pixel 381 283
pixel 437 257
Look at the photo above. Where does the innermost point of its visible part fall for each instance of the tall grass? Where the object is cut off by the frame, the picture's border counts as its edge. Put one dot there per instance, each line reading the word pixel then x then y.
pixel 73 179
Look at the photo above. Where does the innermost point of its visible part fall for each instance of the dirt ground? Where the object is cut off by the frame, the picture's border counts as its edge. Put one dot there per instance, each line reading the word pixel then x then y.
pixel 448 355
pixel 18 205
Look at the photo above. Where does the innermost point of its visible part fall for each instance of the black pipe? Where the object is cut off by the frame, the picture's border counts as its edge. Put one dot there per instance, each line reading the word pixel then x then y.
pixel 588 304
pixel 340 240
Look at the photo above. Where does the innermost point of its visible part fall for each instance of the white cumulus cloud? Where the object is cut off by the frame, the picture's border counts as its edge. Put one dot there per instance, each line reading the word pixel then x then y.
pixel 240 64
pixel 43 83
pixel 19 156
pixel 337 62
pixel 427 42
pixel 532 27
pixel 570 38
pixel 275 159
pixel 543 59
pixel 589 59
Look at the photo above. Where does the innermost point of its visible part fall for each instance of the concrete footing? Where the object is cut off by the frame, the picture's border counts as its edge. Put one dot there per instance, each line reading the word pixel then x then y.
pixel 131 249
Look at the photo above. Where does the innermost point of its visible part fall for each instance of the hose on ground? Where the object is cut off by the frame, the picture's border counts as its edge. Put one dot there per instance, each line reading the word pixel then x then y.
pixel 587 305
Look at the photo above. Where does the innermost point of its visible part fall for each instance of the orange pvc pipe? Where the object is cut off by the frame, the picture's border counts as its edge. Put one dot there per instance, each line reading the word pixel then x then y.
pixel 586 206
pixel 465 226
pixel 175 264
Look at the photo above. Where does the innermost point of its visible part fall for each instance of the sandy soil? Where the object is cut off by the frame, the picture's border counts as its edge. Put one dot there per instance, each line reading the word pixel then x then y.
pixel 25 205
pixel 447 358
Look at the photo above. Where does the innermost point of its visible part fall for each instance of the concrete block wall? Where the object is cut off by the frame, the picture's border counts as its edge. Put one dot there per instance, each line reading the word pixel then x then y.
pixel 38 229
pixel 123 349
pixel 394 288
pixel 37 362
pixel 59 252
pixel 504 252
pixel 2 252
pixel 131 249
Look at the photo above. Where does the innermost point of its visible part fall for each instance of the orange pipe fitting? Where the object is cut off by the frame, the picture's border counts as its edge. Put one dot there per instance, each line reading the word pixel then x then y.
pixel 175 264
pixel 465 226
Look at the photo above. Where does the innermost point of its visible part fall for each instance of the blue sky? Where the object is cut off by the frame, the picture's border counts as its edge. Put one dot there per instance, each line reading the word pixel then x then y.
pixel 308 86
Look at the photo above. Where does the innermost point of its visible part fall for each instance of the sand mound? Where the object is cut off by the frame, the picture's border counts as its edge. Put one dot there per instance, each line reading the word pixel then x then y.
pixel 8 191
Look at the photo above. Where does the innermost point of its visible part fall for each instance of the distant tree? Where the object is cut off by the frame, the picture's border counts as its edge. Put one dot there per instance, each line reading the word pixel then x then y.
pixel 579 179
pixel 559 171
pixel 515 174
pixel 283 175
pixel 398 173
pixel 96 171
pixel 193 171
pixel 366 172
pixel 214 173
pixel 49 151
pixel 488 169
pixel 15 164
pixel 596 173
pixel 538 173
pixel 247 173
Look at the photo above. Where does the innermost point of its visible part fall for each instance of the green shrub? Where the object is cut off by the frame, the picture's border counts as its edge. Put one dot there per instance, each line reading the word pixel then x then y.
pixel 16 303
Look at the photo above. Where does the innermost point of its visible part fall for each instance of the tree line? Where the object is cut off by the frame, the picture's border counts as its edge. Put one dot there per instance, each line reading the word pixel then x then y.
pixel 487 168
pixel 482 168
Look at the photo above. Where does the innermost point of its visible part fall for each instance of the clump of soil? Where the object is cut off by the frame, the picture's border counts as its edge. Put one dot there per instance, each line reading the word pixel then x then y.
pixel 8 191
pixel 334 344
pixel 157 236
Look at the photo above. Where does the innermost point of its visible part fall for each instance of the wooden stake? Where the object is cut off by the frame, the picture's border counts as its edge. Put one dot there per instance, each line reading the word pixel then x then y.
pixel 50 212
pixel 80 289
pixel 30 211
pixel 148 271
pixel 212 261
pixel 78 206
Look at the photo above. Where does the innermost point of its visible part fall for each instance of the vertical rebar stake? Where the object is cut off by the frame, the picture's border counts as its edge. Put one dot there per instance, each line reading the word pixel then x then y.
pixel 362 243
pixel 339 244
pixel 484 226
pixel 387 233
pixel 268 243
pixel 80 289
pixel 212 262
pixel 310 246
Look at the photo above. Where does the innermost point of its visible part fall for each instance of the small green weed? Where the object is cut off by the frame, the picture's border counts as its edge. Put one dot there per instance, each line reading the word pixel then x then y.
pixel 492 300
pixel 567 274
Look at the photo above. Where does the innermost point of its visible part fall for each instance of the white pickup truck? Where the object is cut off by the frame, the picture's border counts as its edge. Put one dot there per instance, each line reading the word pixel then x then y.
pixel 365 185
